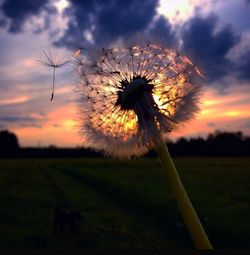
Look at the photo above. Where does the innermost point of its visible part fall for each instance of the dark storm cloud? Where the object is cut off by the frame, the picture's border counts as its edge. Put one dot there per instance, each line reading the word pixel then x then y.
pixel 109 20
pixel 106 20
pixel 243 67
pixel 17 12
pixel 3 22
pixel 123 18
pixel 209 47
pixel 163 30
pixel 101 22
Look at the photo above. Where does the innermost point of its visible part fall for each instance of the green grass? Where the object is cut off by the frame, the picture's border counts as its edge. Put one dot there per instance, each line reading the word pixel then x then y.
pixel 125 204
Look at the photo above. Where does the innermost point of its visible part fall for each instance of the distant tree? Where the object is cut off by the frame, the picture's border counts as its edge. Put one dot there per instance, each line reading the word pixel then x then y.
pixel 52 146
pixel 8 141
pixel 218 143
pixel 226 136
pixel 223 143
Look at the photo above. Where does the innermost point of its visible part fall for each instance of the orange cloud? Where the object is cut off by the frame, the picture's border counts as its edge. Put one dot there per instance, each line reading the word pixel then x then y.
pixel 220 111
pixel 228 111
pixel 15 100
pixel 60 129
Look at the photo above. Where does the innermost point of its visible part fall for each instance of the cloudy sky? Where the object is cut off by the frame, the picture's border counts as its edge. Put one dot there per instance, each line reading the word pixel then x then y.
pixel 215 34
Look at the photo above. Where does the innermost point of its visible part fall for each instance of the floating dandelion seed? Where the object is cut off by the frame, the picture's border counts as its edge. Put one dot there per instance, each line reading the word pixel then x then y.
pixel 131 98
pixel 50 60
pixel 124 90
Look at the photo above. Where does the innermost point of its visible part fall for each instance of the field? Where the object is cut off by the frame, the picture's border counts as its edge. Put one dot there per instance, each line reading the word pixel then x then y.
pixel 124 204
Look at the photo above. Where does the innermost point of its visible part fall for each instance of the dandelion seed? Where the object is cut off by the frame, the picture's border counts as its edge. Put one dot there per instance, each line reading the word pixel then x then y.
pixel 50 60
pixel 133 87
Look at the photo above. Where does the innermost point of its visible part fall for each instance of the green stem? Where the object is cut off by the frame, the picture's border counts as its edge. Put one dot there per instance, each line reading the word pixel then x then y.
pixel 189 215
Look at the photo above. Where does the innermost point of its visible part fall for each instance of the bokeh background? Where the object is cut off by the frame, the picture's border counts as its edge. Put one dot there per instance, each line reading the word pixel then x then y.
pixel 215 34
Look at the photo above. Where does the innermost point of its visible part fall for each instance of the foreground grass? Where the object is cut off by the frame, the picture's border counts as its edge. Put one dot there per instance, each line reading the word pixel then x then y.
pixel 125 204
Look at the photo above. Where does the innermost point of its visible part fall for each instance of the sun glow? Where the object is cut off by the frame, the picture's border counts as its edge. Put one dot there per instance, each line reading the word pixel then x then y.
pixel 61 5
pixel 167 93
pixel 177 11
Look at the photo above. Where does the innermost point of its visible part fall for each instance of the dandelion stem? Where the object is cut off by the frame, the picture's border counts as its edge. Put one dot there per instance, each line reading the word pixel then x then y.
pixel 189 215
pixel 53 83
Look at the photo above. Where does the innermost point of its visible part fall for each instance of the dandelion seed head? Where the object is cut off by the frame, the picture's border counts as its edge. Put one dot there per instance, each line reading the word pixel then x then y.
pixel 124 89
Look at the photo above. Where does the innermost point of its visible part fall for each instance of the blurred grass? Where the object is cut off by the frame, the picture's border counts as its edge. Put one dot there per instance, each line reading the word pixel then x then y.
pixel 125 204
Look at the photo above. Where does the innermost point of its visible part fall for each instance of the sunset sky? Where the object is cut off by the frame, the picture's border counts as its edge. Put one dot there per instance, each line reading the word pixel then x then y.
pixel 215 34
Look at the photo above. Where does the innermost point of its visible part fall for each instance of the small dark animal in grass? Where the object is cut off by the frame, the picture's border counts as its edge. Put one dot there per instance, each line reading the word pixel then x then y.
pixel 64 217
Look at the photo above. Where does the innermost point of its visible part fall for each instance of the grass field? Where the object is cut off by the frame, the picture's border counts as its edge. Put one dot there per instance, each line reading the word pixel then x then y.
pixel 125 204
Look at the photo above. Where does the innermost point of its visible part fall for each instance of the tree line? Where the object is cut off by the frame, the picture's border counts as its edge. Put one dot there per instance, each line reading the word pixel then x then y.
pixel 218 143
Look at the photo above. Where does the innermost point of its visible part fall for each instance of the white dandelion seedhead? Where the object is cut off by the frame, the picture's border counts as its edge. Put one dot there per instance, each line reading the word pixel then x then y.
pixel 124 90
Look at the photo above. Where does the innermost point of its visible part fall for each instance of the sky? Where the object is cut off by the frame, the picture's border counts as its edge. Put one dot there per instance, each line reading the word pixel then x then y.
pixel 215 34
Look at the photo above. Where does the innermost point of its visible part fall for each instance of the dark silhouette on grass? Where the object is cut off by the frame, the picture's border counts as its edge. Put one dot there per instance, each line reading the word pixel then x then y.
pixel 66 218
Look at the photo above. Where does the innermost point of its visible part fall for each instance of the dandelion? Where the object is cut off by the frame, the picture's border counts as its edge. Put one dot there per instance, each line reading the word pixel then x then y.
pixel 131 98
pixel 50 60
pixel 126 91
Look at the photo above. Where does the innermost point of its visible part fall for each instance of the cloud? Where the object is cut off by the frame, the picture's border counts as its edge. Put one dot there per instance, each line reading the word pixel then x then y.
pixel 24 120
pixel 30 125
pixel 245 124
pixel 211 124
pixel 208 46
pixel 234 12
pixel 15 100
pixel 123 18
pixel 243 67
pixel 207 39
pixel 19 119
pixel 227 112
pixel 162 30
pixel 17 12
pixel 105 21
